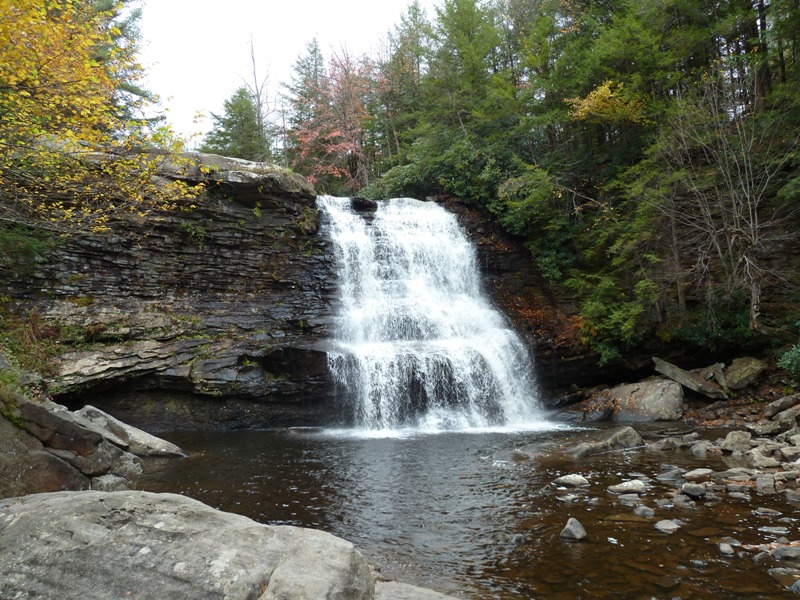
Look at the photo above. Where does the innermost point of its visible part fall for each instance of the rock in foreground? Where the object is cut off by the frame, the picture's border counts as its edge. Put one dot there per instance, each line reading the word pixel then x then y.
pixel 141 545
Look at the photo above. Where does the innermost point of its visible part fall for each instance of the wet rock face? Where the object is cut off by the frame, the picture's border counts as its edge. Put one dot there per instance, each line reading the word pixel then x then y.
pixel 229 300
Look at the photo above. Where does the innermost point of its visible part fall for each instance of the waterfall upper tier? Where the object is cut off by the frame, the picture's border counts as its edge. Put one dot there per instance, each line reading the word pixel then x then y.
pixel 418 344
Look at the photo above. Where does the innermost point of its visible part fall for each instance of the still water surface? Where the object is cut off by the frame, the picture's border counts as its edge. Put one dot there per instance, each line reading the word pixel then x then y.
pixel 455 512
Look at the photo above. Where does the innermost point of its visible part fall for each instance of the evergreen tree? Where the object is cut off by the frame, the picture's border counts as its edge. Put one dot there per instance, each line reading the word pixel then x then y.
pixel 236 132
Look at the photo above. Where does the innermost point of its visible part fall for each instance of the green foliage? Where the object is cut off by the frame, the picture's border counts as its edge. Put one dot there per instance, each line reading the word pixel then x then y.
pixel 615 321
pixel 646 153
pixel 196 232
pixel 30 341
pixel 720 325
pixel 237 132
pixel 20 247
pixel 789 361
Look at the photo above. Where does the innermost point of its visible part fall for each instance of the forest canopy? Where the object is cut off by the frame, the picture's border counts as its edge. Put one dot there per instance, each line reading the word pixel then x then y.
pixel 647 152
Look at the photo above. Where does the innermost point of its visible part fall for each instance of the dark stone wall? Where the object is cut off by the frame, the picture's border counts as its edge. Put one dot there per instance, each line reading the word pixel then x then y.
pixel 229 301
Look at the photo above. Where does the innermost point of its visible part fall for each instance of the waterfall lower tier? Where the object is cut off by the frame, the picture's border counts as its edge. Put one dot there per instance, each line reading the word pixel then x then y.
pixel 418 343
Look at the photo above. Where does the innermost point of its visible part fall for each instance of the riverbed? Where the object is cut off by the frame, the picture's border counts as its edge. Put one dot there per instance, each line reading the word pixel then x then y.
pixel 461 514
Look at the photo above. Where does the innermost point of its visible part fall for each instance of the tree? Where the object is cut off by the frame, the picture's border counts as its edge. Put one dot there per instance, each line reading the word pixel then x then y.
pixel 306 96
pixel 68 158
pixel 329 116
pixel 237 132
pixel 723 164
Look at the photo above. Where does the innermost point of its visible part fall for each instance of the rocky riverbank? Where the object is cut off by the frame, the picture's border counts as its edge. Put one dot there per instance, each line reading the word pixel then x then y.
pixel 752 472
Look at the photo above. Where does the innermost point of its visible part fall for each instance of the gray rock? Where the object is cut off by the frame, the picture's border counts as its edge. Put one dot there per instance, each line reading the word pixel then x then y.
pixel 742 372
pixel 695 491
pixel 645 512
pixel 693 381
pixel 667 443
pixel 573 530
pixel 702 447
pixel 788 418
pixel 142 545
pixel 110 483
pixel 698 474
pixel 737 441
pixel 756 458
pixel 667 526
pixel 781 404
pixel 670 475
pixel 616 439
pixel 633 486
pixel 650 400
pixel 726 549
pixel 767 427
pixel 136 441
pixel 790 453
pixel 765 484
pixel 786 553
pixel 572 480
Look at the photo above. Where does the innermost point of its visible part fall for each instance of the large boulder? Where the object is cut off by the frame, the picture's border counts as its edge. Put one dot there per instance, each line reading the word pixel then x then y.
pixel 743 371
pixel 46 448
pixel 650 400
pixel 77 545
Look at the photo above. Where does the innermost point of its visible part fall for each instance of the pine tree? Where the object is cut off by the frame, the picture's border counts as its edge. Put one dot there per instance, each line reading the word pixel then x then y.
pixel 236 133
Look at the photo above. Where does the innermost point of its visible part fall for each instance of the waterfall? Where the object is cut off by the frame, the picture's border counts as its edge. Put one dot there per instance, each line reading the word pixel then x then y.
pixel 418 345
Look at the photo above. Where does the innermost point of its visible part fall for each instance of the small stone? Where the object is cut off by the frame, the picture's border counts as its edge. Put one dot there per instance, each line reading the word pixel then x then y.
pixel 698 474
pixel 634 486
pixel 739 496
pixel 757 458
pixel 573 531
pixel 629 499
pixel 693 490
pixel 780 405
pixel 766 427
pixel 765 484
pixel 667 526
pixel 736 441
pixel 775 530
pixel 762 511
pixel 702 448
pixel 671 475
pixel 644 511
pixel 568 498
pixel 726 549
pixel 572 480
pixel 786 553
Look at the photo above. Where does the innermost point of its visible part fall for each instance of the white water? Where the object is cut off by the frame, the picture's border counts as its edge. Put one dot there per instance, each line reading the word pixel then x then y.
pixel 419 347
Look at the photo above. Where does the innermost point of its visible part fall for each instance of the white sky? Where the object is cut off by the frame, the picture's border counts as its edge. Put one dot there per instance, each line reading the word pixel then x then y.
pixel 197 52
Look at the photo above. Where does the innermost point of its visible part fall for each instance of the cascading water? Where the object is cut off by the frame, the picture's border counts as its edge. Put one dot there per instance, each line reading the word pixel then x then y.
pixel 418 345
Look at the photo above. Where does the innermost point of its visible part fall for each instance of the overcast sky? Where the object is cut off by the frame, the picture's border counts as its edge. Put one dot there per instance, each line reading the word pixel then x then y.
pixel 197 52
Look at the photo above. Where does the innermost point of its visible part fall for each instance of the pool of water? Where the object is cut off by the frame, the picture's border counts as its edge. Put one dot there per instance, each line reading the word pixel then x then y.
pixel 455 512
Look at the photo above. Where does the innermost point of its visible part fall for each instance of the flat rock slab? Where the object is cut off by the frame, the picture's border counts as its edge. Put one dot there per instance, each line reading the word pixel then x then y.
pixel 688 379
pixel 111 545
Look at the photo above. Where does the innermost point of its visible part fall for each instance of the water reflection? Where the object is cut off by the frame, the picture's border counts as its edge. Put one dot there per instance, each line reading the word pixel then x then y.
pixel 454 512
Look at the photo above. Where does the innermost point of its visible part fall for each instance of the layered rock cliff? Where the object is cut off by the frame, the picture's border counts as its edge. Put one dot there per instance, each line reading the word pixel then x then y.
pixel 232 302
pixel 228 300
